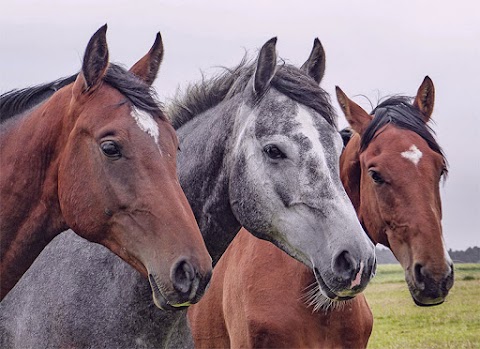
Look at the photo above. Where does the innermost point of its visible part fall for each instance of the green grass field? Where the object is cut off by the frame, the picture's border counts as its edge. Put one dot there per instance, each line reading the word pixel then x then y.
pixel 399 323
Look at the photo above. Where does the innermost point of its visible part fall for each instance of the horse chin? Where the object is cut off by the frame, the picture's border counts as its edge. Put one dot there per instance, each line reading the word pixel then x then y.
pixel 328 293
pixel 315 298
pixel 429 303
pixel 160 300
pixel 424 301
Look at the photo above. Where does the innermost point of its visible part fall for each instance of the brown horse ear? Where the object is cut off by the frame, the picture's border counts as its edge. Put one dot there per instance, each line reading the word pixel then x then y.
pixel 95 62
pixel 358 118
pixel 147 67
pixel 266 64
pixel 425 98
pixel 315 64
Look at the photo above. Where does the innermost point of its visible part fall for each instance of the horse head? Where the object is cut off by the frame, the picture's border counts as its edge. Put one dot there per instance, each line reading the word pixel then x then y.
pixel 114 177
pixel 285 160
pixel 391 168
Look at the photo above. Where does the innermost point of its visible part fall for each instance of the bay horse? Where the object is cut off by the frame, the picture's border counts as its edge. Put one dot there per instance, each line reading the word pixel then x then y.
pixel 391 169
pixel 258 148
pixel 91 158
pixel 260 298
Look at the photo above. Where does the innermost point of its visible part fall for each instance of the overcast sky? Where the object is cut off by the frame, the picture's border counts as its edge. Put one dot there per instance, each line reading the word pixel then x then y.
pixel 373 48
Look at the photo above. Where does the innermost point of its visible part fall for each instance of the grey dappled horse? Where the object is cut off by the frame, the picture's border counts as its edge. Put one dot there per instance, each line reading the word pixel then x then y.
pixel 258 148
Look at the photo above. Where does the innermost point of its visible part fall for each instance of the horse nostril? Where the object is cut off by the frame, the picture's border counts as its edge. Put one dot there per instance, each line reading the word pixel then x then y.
pixel 345 265
pixel 448 281
pixel 182 275
pixel 419 273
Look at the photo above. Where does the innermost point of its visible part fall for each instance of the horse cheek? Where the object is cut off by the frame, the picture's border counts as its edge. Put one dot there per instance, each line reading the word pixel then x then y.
pixel 76 182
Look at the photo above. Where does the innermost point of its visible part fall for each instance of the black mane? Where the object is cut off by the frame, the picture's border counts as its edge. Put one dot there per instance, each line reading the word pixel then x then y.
pixel 141 95
pixel 399 111
pixel 16 102
pixel 289 80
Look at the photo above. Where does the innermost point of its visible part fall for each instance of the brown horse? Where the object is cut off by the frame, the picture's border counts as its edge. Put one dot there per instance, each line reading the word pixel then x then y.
pixel 259 298
pixel 99 156
pixel 391 170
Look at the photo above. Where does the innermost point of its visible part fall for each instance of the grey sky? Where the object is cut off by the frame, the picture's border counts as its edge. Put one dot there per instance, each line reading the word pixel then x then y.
pixel 374 48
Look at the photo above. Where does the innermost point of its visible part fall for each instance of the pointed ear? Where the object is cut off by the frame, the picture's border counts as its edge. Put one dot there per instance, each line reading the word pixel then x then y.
pixel 425 98
pixel 315 64
pixel 95 62
pixel 147 67
pixel 266 64
pixel 358 118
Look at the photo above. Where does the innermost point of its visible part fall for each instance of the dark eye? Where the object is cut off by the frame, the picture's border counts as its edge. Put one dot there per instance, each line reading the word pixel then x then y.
pixel 111 149
pixel 273 152
pixel 376 176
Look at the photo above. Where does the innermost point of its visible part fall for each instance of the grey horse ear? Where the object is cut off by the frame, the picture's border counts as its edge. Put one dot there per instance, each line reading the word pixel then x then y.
pixel 315 64
pixel 266 64
pixel 147 67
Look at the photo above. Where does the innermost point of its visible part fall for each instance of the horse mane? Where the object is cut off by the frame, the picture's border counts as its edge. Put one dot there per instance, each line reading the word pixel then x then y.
pixel 399 111
pixel 142 96
pixel 288 80
pixel 346 134
pixel 18 101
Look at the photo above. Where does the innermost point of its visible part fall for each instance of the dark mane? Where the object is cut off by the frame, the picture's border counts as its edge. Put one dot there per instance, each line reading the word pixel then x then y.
pixel 346 134
pixel 141 95
pixel 399 111
pixel 16 101
pixel 288 80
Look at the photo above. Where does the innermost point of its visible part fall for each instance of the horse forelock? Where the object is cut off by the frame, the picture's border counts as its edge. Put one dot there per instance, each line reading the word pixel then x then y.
pixel 288 80
pixel 140 94
pixel 399 112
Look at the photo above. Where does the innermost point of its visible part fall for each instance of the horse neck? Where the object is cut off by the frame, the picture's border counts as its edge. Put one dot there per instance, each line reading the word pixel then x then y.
pixel 30 215
pixel 203 168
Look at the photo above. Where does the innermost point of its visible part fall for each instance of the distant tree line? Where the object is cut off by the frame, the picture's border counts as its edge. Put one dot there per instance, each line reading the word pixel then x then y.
pixel 385 256
pixel 470 255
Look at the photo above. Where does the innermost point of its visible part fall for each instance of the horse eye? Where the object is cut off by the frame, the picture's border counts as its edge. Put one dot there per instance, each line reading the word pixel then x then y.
pixel 376 177
pixel 273 152
pixel 111 149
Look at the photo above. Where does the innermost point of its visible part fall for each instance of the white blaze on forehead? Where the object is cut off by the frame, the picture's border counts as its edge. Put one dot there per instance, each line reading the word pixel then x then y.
pixel 304 117
pixel 146 123
pixel 413 154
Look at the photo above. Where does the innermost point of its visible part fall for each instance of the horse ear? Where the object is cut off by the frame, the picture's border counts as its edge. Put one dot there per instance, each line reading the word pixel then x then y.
pixel 95 61
pixel 315 64
pixel 425 98
pixel 147 67
pixel 358 118
pixel 266 64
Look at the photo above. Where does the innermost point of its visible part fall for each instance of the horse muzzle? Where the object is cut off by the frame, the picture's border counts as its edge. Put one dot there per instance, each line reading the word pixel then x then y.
pixel 425 289
pixel 348 277
pixel 186 286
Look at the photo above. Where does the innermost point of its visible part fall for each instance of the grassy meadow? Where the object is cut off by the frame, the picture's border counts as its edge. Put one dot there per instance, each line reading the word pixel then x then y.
pixel 399 323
